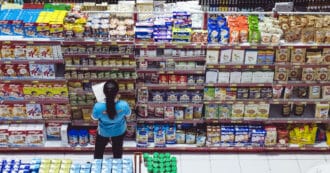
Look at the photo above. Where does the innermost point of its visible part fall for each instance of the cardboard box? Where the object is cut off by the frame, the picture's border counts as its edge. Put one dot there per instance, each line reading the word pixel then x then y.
pixel 35 135
pixel 4 135
pixel 53 131
pixel 237 56
pixel 247 77
pixel 223 77
pixel 283 55
pixel 17 135
pixel 250 111
pixel 212 76
pixel 298 55
pixel 64 135
pixel 235 77
pixel 225 56
pixel 251 57
pixel 321 110
pixel 212 57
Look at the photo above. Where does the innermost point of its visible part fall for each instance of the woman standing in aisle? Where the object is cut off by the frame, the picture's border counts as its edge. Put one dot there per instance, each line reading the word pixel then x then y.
pixel 112 121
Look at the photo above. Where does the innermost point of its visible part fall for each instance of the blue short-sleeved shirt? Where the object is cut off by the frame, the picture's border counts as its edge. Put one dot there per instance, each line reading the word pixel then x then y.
pixel 111 127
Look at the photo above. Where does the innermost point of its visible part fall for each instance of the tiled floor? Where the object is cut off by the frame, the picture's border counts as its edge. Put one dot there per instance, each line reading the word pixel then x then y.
pixel 223 162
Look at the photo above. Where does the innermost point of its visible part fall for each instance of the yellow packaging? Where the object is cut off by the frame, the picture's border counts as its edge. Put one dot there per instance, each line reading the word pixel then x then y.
pixel 328 137
pixel 263 110
pixel 250 111
pixel 321 110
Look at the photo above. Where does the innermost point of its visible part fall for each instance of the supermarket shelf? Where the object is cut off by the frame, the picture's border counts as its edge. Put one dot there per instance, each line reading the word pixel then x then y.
pixel 122 92
pixel 94 42
pixel 163 71
pixel 84 123
pixel 181 59
pixel 76 107
pixel 237 66
pixel 171 87
pixel 37 100
pixel 100 80
pixel 31 80
pixel 154 45
pixel 165 121
pixel 239 85
pixel 169 148
pixel 301 83
pixel 267 46
pixel 37 61
pixel 27 41
pixel 85 55
pixel 99 68
pixel 173 104
pixel 270 101
pixel 35 121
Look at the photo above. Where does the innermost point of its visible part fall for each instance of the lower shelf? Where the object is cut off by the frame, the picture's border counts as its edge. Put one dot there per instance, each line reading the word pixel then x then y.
pixel 129 146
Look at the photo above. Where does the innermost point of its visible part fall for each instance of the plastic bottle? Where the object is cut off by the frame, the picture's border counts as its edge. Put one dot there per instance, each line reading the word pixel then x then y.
pixel 73 137
pixel 92 136
pixel 83 137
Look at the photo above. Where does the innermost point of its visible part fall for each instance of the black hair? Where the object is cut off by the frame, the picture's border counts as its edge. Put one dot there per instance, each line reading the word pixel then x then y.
pixel 110 91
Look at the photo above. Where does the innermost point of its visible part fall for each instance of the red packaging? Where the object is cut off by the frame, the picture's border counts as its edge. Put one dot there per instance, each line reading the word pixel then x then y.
pixel 22 70
pixel 173 79
pixel 48 111
pixel 15 91
pixel 182 79
pixel 163 79
pixel 7 51
pixel 9 70
pixel 2 73
pixel 3 92
pixel 63 111
pixel 20 51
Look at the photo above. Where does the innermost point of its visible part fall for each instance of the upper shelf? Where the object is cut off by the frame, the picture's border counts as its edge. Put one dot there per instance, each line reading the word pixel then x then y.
pixel 30 61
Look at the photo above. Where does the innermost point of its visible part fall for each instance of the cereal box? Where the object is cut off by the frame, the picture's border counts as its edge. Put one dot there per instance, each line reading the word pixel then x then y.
pixel 223 77
pixel 4 135
pixel 225 111
pixel 237 56
pixel 17 135
pixel 35 135
pixel 298 55
pixel 237 110
pixel 9 70
pixel 48 110
pixel 15 91
pixel 241 135
pixel 250 111
pixel 7 51
pixel 22 70
pixel 33 111
pixel 63 111
pixel 271 136
pixel 45 52
pixel 225 56
pixel 20 52
pixel 308 74
pixel 19 111
pixel 263 110
pixel 32 52
pixel 283 55
pixel 211 111
pixel 212 56
pixel 322 110
pixel 48 71
pixel 53 131
pixel 227 135
pixel 36 71
pixel 251 57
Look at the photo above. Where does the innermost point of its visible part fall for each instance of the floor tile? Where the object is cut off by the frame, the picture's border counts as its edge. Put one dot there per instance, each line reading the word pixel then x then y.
pixel 306 165
pixel 224 156
pixel 281 156
pixel 284 166
pixel 195 166
pixel 198 156
pixel 260 156
pixel 255 166
pixel 225 165
pixel 311 156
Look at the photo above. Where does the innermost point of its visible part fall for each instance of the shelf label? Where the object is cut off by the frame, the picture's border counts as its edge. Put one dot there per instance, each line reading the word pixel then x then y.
pixel 253 47
pixel 250 66
pixel 35 81
pixel 314 47
pixel 144 46
pixel 92 56
pixel 6 81
pixel 113 43
pixel 170 59
pixel 192 88
pixel 290 47
pixel 290 122
pixel 269 47
pixel 237 66
pixel 222 66
pixel 170 72
pixel 215 121
pixel 29 42
pixel 260 84
pixel 6 42
pixel 210 66
pixel 7 62
pixel 84 68
pixel 162 46
pixel 237 47
pixel 198 46
pixel 179 46
pixel 265 67
pixel 172 88
pixel 233 84
pixel 199 72
pixel 32 102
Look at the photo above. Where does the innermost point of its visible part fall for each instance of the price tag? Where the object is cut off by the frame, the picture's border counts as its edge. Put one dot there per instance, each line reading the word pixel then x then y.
pixel 84 68
pixel 210 66
pixel 314 47
pixel 250 66
pixel 92 56
pixel 162 46
pixel 35 81
pixel 198 46
pixel 290 47
pixel 222 66
pixel 302 148
pixel 171 60
pixel 269 47
pixel 178 121
pixel 7 62
pixel 260 84
pixel 77 149
pixel 114 43
pixel 233 84
pixel 290 122
pixel 192 88
pixel 318 122
pixel 6 81
pixel 323 148
pixel 98 43
pixel 32 102
pixel 270 148
pixel 253 47
pixel 31 62
pixel 215 121
pixel 237 47
pixel 85 81
pixel 30 42
pixel 6 42
pixel 144 46
pixel 74 107
pixel 179 46
pixel 237 66
pixel 265 67
pixel 251 102
pixel 170 72
pixel 115 69
pixel 172 88
pixel 199 72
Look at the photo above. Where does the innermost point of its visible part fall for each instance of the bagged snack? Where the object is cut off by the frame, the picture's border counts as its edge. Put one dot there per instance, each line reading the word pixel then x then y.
pixel 159 135
pixel 141 136
pixel 191 136
pixel 170 134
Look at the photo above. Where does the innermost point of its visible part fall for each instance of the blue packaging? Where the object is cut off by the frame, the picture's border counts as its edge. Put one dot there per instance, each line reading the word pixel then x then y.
pixel 159 134
pixel 227 135
pixel 5 27
pixel 258 137
pixel 142 136
pixel 73 136
pixel 170 134
pixel 241 135
pixel 83 137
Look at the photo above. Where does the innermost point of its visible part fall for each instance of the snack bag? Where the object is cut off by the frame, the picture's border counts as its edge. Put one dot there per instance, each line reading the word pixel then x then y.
pixel 141 136
pixel 170 134
pixel 159 135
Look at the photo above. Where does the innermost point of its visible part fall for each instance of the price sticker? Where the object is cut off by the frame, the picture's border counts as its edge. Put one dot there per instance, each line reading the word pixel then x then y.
pixel 265 67
pixel 171 60
pixel 199 72
pixel 314 47
pixel 260 84
pixel 179 46
pixel 98 43
pixel 210 66
pixel 290 122
pixel 250 66
pixel 85 81
pixel 237 66
pixel 222 66
pixel 253 47
pixel 32 102
pixel 172 88
pixel 92 56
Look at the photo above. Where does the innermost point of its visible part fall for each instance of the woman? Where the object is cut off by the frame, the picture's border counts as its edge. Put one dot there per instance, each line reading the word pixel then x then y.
pixel 112 121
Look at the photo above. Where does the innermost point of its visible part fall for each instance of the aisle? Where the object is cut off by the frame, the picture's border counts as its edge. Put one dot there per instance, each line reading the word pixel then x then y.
pixel 219 163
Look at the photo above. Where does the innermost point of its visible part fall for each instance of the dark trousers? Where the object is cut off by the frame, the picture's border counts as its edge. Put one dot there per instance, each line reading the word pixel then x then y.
pixel 117 146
